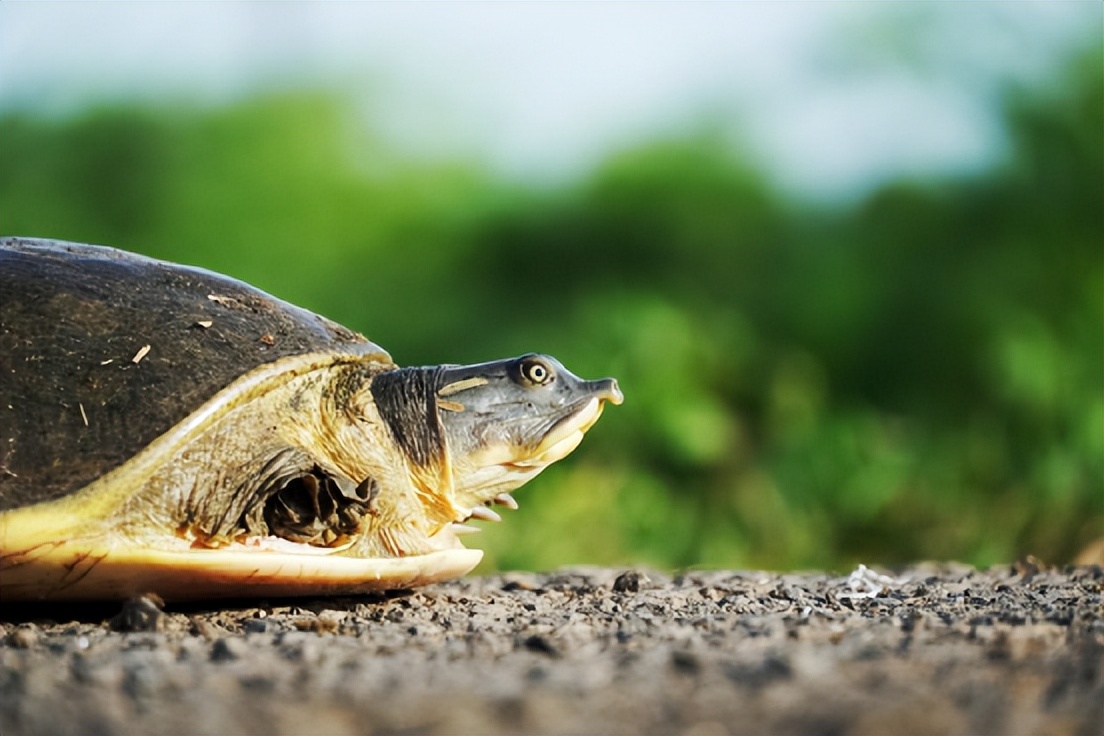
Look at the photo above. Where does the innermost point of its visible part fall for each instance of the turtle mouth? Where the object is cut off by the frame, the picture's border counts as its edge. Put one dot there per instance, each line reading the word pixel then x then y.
pixel 558 442
pixel 564 436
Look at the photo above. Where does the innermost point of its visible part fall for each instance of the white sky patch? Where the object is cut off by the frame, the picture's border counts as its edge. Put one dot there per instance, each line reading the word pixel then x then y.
pixel 830 97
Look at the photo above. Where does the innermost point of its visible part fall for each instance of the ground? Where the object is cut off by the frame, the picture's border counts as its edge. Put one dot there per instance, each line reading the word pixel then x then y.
pixel 928 650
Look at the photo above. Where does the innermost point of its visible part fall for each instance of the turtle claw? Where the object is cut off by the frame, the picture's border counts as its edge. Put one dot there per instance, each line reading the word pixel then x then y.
pixel 505 499
pixel 484 513
pixel 463 529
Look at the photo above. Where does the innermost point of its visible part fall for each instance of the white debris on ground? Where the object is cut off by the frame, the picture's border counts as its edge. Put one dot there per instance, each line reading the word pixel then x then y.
pixel 866 583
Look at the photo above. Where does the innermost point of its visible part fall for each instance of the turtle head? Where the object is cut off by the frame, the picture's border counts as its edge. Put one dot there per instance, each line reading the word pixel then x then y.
pixel 479 431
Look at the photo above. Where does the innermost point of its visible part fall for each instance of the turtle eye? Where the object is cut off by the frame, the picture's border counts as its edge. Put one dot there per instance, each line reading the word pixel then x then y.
pixel 536 372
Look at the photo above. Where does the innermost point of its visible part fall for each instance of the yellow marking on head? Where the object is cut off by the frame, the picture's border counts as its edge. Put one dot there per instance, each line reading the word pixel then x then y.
pixel 463 385
pixel 450 405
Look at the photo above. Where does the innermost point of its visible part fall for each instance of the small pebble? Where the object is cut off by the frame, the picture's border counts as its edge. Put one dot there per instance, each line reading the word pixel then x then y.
pixel 255 626
pixel 227 649
pixel 141 613
pixel 24 637
pixel 630 582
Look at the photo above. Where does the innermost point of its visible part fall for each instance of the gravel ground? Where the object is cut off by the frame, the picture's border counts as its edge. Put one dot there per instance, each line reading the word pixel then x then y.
pixel 934 649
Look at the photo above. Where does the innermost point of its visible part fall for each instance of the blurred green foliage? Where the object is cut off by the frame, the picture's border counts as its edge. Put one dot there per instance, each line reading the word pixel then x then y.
pixel 915 376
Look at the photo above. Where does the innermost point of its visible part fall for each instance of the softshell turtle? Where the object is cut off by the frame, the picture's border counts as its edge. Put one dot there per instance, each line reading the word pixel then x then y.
pixel 165 429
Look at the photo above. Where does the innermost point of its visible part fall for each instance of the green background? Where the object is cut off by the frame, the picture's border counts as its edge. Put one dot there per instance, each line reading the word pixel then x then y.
pixel 913 375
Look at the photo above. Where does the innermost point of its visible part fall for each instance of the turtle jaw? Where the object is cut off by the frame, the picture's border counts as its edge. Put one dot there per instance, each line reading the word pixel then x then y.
pixel 563 438
pixel 489 475
pixel 566 434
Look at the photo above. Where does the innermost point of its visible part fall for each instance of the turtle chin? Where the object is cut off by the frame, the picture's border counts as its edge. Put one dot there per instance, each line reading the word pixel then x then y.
pixel 564 437
pixel 490 474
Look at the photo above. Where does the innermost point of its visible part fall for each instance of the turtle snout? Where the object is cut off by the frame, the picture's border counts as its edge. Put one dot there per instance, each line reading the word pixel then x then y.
pixel 606 389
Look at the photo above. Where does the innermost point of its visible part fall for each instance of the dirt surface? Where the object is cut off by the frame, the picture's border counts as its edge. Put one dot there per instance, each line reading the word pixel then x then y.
pixel 945 649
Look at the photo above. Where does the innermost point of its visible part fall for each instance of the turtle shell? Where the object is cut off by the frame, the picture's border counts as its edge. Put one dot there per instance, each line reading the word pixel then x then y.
pixel 102 351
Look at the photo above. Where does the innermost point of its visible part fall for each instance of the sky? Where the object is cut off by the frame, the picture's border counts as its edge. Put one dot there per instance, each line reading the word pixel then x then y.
pixel 829 97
